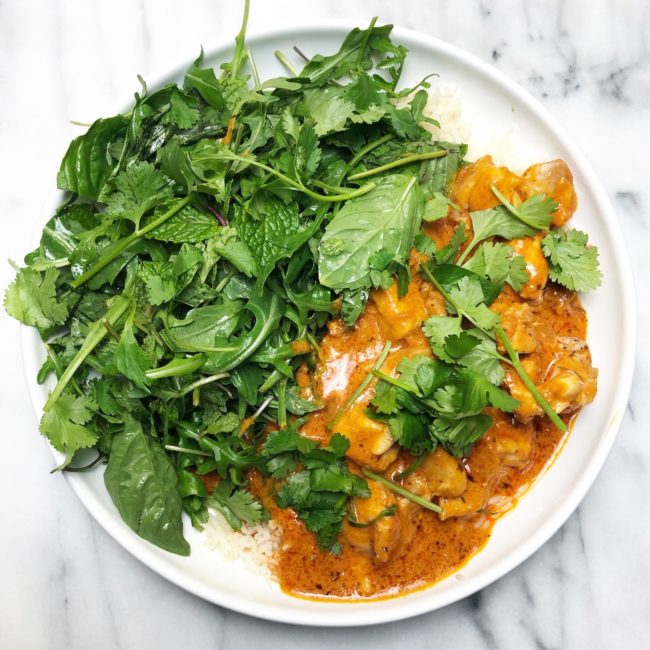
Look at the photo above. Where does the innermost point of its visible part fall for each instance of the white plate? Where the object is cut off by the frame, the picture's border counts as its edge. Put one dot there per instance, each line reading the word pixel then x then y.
pixel 491 101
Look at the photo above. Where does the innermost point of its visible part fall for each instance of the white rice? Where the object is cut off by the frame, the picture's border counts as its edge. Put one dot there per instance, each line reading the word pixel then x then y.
pixel 255 546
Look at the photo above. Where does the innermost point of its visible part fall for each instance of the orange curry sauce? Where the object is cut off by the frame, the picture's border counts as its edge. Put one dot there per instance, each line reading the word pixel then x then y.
pixel 416 547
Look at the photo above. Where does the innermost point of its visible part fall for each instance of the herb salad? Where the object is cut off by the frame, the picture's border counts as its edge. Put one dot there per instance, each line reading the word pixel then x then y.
pixel 208 240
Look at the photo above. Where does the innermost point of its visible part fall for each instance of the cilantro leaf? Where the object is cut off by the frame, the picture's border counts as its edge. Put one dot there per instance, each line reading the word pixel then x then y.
pixel 536 211
pixel 164 280
pixel 329 109
pixel 572 262
pixel 437 329
pixel 64 423
pixel 436 207
pixel 353 302
pixel 31 298
pixel 498 263
pixel 469 301
pixel 458 435
pixel 183 111
pixel 238 506
pixel 137 189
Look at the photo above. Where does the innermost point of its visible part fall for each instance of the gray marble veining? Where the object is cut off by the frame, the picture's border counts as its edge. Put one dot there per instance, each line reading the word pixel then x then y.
pixel 64 584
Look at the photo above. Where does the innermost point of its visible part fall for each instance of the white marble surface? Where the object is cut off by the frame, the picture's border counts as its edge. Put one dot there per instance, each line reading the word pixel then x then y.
pixel 63 582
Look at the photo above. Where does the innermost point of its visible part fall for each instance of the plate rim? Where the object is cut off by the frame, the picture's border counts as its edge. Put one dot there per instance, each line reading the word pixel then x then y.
pixel 401 608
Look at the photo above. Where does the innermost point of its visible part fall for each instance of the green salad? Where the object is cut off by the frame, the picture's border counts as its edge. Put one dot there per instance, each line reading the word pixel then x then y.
pixel 205 239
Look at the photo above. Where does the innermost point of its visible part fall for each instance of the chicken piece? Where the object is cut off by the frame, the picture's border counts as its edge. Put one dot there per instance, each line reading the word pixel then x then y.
pixel 554 179
pixel 468 503
pixel 568 383
pixel 530 248
pixel 471 190
pixel 442 473
pixel 370 440
pixel 513 443
pixel 382 536
pixel 517 322
pixel 403 314
pixel 573 381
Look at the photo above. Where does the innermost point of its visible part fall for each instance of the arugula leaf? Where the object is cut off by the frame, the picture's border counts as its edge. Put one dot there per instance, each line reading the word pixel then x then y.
pixel 130 359
pixel 383 220
pixel 64 424
pixel 572 262
pixel 144 487
pixel 32 299
pixel 355 53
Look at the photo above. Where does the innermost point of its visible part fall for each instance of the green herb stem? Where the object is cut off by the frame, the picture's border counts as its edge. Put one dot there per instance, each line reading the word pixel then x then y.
pixel 185 450
pixel 202 382
pixel 177 367
pixel 511 208
pixel 327 198
pixel 121 245
pixel 406 160
pixel 398 489
pixel 368 148
pixel 450 300
pixel 395 382
pixel 94 337
pixel 528 382
pixel 286 63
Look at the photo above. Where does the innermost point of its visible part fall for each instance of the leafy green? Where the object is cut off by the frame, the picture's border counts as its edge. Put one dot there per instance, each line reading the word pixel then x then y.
pixel 88 162
pixel 236 505
pixel 144 487
pixel 572 262
pixel 498 263
pixel 321 488
pixel 64 424
pixel 208 236
pixel 31 298
pixel 136 190
pixel 383 221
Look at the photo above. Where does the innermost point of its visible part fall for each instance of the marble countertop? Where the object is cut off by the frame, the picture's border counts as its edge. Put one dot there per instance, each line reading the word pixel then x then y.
pixel 63 582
